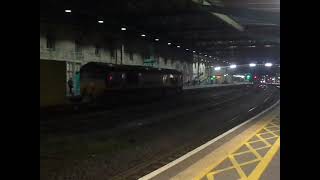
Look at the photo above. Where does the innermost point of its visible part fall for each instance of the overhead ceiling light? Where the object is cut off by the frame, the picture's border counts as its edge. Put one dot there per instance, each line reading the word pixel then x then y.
pixel 217 68
pixel 100 21
pixel 143 35
pixel 210 56
pixel 123 29
pixel 187 49
pixel 252 64
pixel 268 64
pixel 169 43
pixel 205 55
pixel 68 11
pixel 267 45
pixel 156 39
pixel 233 66
pixel 193 51
pixel 178 46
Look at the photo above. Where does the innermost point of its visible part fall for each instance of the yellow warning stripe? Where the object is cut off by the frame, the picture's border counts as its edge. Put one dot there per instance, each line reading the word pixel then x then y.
pixel 263 161
pixel 257 172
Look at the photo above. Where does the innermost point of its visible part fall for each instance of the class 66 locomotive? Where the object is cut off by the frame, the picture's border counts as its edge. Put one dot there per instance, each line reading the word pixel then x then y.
pixel 100 81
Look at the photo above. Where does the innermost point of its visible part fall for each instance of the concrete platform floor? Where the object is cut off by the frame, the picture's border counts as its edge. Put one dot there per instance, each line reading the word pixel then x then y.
pixel 252 153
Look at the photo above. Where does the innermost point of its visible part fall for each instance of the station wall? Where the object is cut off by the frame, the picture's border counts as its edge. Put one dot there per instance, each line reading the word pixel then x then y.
pixel 70 44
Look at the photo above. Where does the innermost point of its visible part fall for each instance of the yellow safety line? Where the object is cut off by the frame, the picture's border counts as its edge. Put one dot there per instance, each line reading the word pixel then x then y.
pixel 249 162
pixel 263 138
pixel 263 160
pixel 225 169
pixel 273 124
pixel 210 176
pixel 240 153
pixel 237 166
pixel 263 147
pixel 265 141
pixel 271 132
pixel 209 168
pixel 253 151
pixel 257 172
pixel 268 132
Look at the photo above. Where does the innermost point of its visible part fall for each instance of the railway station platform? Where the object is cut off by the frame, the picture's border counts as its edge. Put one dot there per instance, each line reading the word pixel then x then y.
pixel 250 151
pixel 214 85
pixel 69 106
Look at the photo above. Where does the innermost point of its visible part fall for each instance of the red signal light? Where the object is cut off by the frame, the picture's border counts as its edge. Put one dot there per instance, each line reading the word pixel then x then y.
pixel 109 77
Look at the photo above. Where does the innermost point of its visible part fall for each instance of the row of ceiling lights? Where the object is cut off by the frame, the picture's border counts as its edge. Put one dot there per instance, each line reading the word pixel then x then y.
pixel 100 21
pixel 233 66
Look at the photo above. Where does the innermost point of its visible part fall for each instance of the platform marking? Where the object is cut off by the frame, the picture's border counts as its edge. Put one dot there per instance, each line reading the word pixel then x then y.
pixel 252 109
pixel 262 161
pixel 182 158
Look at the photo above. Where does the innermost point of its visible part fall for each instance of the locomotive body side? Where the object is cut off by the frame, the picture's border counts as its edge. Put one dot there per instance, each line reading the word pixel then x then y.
pixel 100 79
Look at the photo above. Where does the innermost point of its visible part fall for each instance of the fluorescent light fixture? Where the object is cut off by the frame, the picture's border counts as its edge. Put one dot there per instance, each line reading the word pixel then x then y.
pixel 268 64
pixel 187 49
pixel 240 76
pixel 123 29
pixel 143 35
pixel 193 51
pixel 252 64
pixel 100 21
pixel 169 43
pixel 217 68
pixel 156 39
pixel 233 66
pixel 178 46
pixel 68 11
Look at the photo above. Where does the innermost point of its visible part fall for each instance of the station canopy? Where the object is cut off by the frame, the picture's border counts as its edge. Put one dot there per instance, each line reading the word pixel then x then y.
pixel 241 30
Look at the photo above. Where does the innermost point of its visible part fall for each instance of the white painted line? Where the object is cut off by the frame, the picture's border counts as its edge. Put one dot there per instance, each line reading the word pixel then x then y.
pixel 233 118
pixel 266 99
pixel 182 158
pixel 252 109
